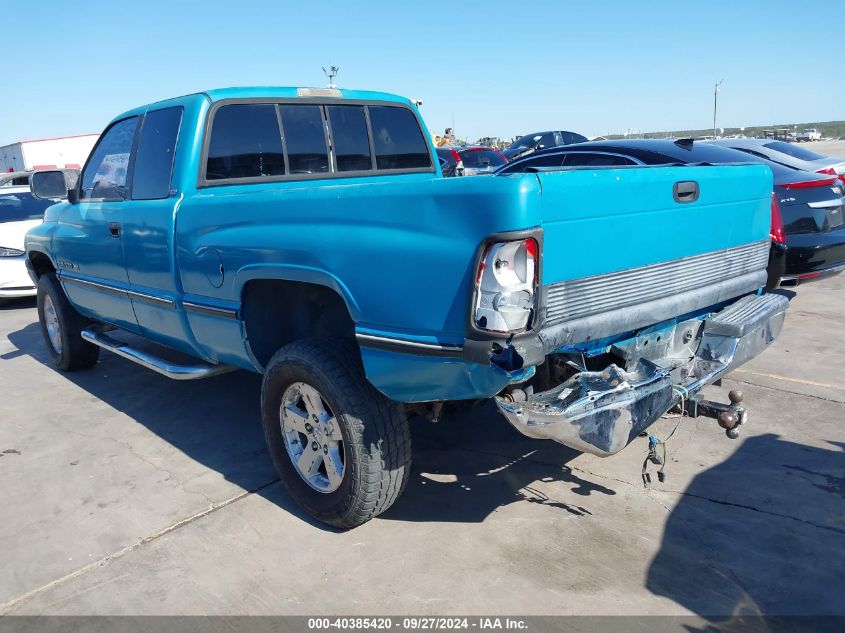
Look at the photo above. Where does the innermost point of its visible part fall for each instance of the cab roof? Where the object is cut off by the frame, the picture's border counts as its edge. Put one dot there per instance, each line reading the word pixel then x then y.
pixel 280 92
pixel 274 92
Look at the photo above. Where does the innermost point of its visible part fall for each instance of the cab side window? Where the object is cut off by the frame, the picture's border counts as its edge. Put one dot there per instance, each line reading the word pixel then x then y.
pixel 154 156
pixel 104 177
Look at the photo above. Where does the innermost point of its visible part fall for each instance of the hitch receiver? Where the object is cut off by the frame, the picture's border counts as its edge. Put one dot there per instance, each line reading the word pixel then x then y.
pixel 729 416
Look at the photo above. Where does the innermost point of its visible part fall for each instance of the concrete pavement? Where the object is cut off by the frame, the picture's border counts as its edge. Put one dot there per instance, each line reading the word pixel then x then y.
pixel 126 493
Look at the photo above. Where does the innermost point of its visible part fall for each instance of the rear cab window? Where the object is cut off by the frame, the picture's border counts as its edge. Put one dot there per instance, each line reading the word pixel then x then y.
pixel 350 137
pixel 251 142
pixel 305 139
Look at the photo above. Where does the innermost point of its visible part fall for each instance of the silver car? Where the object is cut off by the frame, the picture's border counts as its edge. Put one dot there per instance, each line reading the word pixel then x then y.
pixel 788 154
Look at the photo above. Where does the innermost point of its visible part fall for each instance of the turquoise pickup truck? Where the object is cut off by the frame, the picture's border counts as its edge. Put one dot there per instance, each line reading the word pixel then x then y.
pixel 307 234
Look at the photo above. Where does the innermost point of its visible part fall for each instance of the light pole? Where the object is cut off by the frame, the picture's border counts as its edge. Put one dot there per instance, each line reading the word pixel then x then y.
pixel 715 104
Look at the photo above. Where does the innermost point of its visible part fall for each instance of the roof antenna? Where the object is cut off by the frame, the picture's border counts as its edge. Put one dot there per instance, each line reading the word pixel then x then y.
pixel 331 73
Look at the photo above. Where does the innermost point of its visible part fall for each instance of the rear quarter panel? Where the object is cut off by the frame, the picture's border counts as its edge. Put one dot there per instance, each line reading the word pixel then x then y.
pixel 399 249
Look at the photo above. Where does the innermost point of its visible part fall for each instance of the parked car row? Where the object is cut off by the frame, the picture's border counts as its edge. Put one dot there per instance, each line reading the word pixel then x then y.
pixel 808 205
pixel 808 234
pixel 474 160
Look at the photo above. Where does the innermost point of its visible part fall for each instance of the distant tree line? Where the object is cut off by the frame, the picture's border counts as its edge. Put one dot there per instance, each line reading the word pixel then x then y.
pixel 829 129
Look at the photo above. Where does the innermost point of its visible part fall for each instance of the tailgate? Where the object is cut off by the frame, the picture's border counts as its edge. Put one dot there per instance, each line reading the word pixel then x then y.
pixel 622 250
pixel 606 220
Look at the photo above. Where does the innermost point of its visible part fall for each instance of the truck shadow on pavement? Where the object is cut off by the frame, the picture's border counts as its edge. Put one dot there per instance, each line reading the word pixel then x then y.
pixel 472 463
pixel 216 422
pixel 762 533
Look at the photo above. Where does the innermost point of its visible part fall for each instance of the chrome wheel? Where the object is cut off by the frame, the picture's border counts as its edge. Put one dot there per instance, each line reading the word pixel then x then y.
pixel 51 321
pixel 312 437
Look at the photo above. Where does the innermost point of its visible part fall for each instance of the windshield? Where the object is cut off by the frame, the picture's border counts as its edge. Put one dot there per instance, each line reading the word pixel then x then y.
pixel 790 149
pixel 481 158
pixel 22 205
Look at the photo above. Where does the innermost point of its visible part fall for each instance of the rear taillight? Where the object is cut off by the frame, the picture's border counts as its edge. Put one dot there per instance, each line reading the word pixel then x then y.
pixel 778 234
pixel 826 182
pixel 830 171
pixel 506 286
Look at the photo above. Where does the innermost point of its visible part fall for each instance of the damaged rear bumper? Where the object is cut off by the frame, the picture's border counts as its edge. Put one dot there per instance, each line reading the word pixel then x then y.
pixel 602 412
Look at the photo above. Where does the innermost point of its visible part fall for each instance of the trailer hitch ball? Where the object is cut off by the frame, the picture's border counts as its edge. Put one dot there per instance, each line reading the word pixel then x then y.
pixel 728 419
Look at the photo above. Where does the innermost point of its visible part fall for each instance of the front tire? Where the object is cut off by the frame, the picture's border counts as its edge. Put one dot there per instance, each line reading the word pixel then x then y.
pixel 341 448
pixel 61 326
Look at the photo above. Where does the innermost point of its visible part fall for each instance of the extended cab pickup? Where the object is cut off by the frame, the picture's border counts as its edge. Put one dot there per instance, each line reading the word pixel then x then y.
pixel 307 234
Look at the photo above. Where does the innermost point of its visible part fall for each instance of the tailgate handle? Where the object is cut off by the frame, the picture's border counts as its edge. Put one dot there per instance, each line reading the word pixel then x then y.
pixel 685 191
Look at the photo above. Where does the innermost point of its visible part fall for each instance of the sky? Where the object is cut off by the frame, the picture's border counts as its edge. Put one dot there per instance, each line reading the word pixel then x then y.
pixel 494 68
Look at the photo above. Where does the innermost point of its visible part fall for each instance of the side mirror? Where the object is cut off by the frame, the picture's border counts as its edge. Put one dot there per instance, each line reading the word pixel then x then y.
pixel 48 184
pixel 73 195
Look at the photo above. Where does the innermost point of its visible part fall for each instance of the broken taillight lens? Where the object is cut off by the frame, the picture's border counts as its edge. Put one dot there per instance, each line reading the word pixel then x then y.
pixel 506 286
pixel 777 233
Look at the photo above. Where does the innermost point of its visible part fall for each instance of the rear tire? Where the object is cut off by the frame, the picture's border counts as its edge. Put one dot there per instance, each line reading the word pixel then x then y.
pixel 61 326
pixel 341 448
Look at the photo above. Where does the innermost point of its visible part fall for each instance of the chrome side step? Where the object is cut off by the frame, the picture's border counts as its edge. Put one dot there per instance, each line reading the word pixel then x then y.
pixel 96 334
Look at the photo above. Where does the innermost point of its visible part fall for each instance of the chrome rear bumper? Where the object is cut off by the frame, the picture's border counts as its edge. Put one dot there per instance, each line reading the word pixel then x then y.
pixel 602 412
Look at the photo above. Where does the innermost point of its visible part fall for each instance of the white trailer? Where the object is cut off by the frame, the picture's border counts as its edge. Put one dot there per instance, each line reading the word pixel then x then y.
pixel 48 153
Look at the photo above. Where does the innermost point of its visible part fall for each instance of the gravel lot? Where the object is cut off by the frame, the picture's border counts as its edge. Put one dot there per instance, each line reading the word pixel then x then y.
pixel 126 493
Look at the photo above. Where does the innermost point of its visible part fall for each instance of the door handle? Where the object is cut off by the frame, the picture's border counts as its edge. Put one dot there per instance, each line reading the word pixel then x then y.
pixel 114 229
